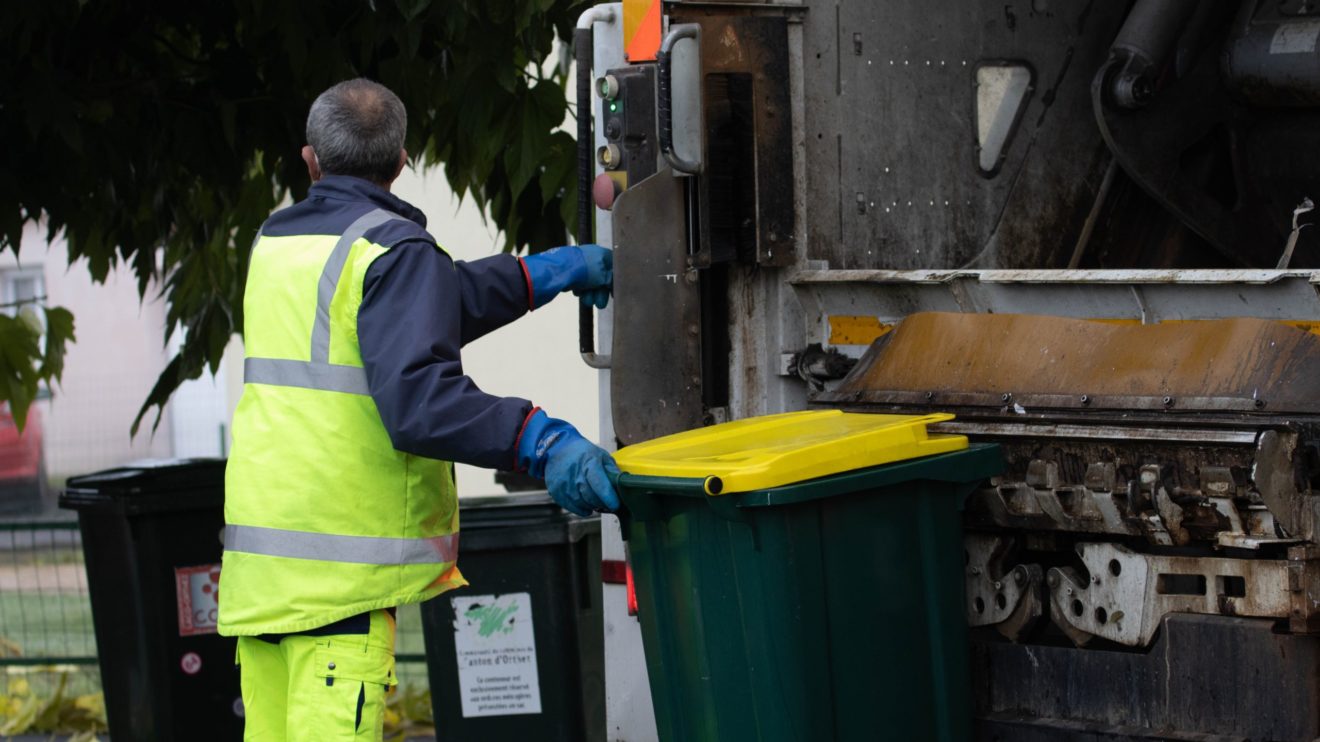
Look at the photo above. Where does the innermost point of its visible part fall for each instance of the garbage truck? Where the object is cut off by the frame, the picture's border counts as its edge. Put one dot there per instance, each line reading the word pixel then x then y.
pixel 1082 228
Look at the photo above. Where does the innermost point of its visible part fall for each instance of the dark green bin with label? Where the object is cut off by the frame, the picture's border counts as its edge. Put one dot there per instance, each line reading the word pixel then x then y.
pixel 525 553
pixel 830 609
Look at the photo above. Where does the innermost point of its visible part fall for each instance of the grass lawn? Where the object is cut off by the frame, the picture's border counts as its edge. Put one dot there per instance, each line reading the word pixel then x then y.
pixel 46 614
pixel 56 625
pixel 60 625
pixel 46 625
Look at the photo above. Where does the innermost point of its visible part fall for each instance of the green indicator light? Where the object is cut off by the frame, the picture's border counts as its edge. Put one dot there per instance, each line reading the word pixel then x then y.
pixel 614 107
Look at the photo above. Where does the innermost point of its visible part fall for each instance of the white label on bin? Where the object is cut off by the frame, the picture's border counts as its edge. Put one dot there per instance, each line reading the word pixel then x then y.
pixel 197 590
pixel 191 663
pixel 496 651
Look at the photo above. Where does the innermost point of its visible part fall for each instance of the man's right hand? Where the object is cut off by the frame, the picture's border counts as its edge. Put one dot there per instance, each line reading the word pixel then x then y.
pixel 578 476
pixel 576 471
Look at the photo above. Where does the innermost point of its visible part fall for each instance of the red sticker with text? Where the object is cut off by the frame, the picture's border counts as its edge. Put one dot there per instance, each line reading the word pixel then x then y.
pixel 198 592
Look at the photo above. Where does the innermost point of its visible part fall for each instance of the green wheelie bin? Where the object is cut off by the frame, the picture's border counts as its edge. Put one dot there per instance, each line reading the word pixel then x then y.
pixel 799 577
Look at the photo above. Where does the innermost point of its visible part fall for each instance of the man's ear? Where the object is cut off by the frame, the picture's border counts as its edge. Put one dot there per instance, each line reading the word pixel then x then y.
pixel 403 160
pixel 313 165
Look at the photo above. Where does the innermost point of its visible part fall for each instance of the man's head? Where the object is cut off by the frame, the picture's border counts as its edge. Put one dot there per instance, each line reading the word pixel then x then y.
pixel 356 128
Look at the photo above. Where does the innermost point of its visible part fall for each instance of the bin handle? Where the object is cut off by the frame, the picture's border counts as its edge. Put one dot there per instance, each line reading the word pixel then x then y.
pixel 677 485
pixel 708 488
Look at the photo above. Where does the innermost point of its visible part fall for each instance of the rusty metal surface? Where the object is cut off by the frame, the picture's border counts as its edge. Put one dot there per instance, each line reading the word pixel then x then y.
pixel 1230 165
pixel 890 93
pixel 1182 486
pixel 1304 589
pixel 1008 598
pixel 849 309
pixel 890 138
pixel 747 191
pixel 1190 118
pixel 1128 594
pixel 654 382
pixel 1254 69
pixel 1209 675
pixel 1046 276
pixel 1002 360
pixel 1278 469
pixel 1062 431
pixel 1196 496
pixel 1026 615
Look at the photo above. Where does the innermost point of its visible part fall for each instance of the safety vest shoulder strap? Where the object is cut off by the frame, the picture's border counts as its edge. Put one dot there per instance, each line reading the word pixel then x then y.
pixel 319 373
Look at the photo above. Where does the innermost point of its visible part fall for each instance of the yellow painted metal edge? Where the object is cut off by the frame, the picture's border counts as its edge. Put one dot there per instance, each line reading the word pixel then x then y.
pixel 859 329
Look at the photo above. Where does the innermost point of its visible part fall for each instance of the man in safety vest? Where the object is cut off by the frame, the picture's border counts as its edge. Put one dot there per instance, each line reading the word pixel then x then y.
pixel 339 494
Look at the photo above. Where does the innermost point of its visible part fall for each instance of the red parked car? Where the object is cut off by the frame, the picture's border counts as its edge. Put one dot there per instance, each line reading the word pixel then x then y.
pixel 23 485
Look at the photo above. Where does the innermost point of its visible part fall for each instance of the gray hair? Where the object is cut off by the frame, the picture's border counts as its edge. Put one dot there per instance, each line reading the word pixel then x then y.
pixel 356 128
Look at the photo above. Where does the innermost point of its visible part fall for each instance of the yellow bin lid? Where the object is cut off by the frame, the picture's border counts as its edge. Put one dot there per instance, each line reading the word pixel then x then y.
pixel 774 450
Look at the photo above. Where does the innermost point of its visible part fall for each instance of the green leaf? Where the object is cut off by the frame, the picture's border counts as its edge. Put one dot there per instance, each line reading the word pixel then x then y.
pixel 560 170
pixel 19 354
pixel 22 721
pixel 166 383
pixel 59 333
pixel 411 9
pixel 162 141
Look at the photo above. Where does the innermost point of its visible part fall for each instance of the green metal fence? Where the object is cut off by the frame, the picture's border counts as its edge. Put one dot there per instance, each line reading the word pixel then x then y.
pixel 46 615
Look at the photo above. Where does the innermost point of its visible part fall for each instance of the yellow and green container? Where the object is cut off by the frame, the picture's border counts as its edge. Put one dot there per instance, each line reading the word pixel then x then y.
pixel 799 577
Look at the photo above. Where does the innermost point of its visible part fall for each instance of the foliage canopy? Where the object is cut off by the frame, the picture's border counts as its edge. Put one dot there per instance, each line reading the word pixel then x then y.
pixel 160 136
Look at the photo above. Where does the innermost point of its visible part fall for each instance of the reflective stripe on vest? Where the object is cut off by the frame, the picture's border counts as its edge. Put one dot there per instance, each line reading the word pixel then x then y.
pixel 334 548
pixel 319 373
pixel 325 377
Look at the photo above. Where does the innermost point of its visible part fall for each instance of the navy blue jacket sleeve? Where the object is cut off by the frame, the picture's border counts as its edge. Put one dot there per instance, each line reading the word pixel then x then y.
pixel 495 292
pixel 415 304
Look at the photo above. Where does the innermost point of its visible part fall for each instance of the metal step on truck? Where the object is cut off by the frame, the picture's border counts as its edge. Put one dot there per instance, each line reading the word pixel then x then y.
pixel 1079 226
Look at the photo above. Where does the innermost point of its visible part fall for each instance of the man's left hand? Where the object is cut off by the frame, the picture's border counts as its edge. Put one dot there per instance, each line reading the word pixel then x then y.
pixel 595 289
pixel 586 270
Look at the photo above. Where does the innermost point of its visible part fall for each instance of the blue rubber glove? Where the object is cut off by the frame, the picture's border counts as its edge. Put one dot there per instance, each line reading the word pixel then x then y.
pixel 595 291
pixel 586 270
pixel 576 471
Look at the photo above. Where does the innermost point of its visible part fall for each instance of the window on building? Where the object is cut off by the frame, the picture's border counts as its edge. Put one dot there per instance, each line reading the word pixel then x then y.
pixel 21 291
pixel 20 286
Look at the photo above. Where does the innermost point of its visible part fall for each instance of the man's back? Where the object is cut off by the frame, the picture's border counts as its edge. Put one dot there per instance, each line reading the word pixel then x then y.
pixel 326 519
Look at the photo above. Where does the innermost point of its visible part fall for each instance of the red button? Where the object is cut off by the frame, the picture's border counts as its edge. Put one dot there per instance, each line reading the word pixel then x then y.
pixel 604 191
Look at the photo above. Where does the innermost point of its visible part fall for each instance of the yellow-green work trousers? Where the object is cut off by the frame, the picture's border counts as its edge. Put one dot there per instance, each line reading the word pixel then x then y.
pixel 318 688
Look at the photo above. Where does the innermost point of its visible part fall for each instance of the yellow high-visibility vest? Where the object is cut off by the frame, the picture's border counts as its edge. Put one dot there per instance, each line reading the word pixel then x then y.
pixel 324 518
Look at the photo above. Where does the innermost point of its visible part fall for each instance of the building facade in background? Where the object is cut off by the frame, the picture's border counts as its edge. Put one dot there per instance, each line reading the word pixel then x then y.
pixel 119 352
pixel 121 349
